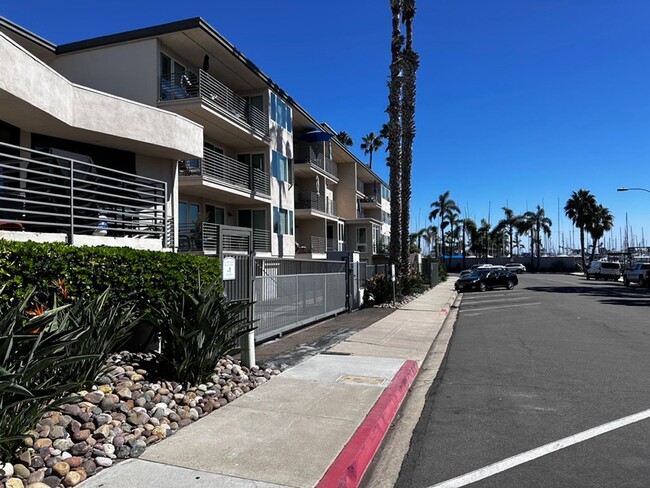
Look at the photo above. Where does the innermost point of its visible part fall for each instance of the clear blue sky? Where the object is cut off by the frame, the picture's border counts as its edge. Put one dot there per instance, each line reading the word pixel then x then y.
pixel 520 102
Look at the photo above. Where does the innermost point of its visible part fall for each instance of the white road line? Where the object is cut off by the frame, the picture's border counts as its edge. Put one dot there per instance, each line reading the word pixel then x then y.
pixel 495 299
pixel 549 448
pixel 499 306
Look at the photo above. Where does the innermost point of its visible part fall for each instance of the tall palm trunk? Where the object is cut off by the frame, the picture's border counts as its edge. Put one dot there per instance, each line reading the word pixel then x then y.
pixel 394 136
pixel 409 67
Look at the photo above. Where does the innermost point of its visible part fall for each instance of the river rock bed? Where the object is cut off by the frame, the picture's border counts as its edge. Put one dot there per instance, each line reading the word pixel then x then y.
pixel 118 418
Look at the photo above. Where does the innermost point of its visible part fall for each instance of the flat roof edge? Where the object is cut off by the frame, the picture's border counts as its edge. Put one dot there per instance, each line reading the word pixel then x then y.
pixel 29 35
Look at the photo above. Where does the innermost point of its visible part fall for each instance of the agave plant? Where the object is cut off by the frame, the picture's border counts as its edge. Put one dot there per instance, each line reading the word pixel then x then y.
pixel 196 329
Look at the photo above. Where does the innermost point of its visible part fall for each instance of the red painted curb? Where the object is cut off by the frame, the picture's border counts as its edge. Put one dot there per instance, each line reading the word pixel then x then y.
pixel 348 468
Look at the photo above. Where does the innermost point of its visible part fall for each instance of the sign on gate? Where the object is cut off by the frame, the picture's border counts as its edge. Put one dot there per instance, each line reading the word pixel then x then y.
pixel 228 268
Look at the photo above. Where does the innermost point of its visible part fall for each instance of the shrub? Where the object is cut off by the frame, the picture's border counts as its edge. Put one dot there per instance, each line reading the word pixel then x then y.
pixel 196 329
pixel 143 277
pixel 442 272
pixel 379 289
pixel 412 283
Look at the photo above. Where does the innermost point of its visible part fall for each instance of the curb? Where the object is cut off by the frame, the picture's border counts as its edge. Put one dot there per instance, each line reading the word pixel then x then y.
pixel 352 462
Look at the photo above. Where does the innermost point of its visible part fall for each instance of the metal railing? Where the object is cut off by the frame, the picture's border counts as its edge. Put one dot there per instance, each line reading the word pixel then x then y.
pixel 199 84
pixel 318 244
pixel 261 240
pixel 317 202
pixel 204 237
pixel 291 293
pixel 228 171
pixel 317 159
pixel 52 192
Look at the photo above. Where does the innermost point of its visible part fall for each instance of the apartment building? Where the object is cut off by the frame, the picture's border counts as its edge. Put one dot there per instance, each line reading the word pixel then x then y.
pixel 74 160
pixel 264 163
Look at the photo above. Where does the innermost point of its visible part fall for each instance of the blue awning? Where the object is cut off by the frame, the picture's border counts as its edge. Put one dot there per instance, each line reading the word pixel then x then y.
pixel 316 136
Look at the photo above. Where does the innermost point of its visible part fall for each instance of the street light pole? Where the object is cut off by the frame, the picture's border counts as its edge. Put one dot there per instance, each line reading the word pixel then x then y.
pixel 629 189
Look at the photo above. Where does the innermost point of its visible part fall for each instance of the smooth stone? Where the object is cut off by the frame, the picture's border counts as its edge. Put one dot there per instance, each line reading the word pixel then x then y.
pixel 42 442
pixel 109 449
pixel 52 481
pixel 73 478
pixel 79 449
pixel 61 469
pixel 14 483
pixel 74 461
pixel 107 404
pixel 38 484
pixel 80 436
pixel 6 470
pixel 36 477
pixel 89 467
pixel 104 462
pixel 21 471
pixel 57 432
pixel 137 451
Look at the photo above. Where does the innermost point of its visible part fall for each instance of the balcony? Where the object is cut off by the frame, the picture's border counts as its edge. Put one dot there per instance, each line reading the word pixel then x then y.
pixel 227 171
pixel 201 85
pixel 360 187
pixel 319 203
pixel 58 192
pixel 317 160
pixel 204 238
pixel 369 202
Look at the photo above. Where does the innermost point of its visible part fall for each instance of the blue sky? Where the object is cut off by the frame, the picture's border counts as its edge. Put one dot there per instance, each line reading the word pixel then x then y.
pixel 520 102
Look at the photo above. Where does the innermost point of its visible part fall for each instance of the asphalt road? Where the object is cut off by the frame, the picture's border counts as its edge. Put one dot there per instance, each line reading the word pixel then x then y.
pixel 554 357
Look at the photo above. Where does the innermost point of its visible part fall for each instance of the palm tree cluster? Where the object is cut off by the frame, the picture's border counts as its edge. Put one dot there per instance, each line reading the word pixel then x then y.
pixel 400 130
pixel 589 217
pixel 459 235
pixel 456 235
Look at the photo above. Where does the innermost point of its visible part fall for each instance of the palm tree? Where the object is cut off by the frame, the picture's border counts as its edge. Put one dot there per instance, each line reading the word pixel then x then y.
pixel 507 225
pixel 452 218
pixel 345 139
pixel 579 209
pixel 370 144
pixel 539 224
pixel 393 133
pixel 410 62
pixel 469 227
pixel 483 235
pixel 602 221
pixel 431 237
pixel 441 209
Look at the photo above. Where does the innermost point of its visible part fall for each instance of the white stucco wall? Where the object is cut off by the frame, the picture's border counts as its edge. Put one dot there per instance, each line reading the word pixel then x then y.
pixel 129 70
pixel 40 94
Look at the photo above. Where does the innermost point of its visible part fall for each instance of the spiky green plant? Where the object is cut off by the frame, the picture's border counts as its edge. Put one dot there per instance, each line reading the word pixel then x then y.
pixel 196 329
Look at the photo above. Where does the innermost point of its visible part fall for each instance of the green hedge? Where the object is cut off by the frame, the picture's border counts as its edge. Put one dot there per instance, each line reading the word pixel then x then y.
pixel 146 277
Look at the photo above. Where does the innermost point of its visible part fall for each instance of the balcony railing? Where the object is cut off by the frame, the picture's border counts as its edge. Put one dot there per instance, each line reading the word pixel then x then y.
pixel 360 187
pixel 318 244
pixel 228 171
pixel 317 202
pixel 62 192
pixel 204 237
pixel 317 159
pixel 199 84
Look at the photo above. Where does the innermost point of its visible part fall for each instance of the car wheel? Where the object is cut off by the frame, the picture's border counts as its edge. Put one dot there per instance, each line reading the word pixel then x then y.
pixel 510 285
pixel 482 286
pixel 626 282
pixel 641 281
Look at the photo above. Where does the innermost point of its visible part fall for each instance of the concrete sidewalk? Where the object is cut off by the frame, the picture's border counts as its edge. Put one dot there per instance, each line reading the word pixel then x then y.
pixel 319 423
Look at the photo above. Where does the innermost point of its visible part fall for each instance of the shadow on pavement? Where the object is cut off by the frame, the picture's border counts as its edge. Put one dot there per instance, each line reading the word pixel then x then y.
pixel 611 293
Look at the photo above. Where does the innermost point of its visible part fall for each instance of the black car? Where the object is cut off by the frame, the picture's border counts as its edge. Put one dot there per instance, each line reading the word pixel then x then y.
pixel 482 279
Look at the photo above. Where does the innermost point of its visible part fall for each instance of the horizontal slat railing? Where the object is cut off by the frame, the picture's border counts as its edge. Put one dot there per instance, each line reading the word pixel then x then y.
pixel 193 84
pixel 318 160
pixel 317 202
pixel 261 240
pixel 49 192
pixel 229 171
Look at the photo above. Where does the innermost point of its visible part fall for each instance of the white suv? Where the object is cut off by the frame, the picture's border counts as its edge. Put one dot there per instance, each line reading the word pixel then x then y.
pixel 516 267
pixel 604 270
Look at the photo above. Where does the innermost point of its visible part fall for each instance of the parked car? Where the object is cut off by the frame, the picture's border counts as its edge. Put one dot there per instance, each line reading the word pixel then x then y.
pixel 604 270
pixel 639 273
pixel 516 267
pixel 486 278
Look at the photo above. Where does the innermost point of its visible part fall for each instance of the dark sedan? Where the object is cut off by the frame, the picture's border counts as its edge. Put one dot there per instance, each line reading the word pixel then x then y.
pixel 482 279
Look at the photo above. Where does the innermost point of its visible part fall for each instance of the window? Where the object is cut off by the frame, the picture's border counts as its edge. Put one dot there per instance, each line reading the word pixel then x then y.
pixel 362 237
pixel 280 112
pixel 282 221
pixel 215 215
pixel 385 192
pixel 282 167
pixel 254 160
pixel 385 217
pixel 171 72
